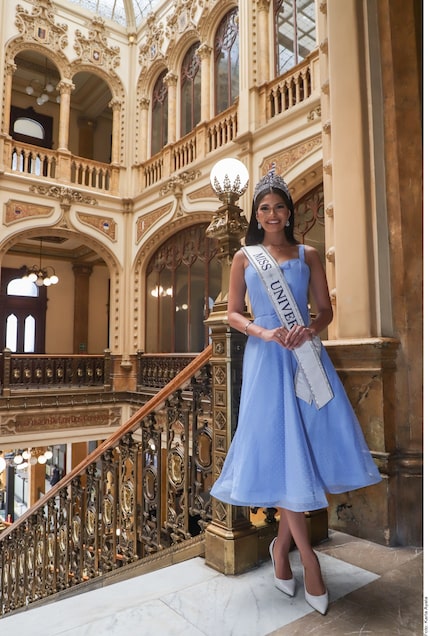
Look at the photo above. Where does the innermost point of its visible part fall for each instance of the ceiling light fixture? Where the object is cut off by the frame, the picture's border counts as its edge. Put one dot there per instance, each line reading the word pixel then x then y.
pixel 41 275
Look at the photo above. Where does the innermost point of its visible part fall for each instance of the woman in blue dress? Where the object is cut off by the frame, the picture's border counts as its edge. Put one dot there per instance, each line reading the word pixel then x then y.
pixel 287 452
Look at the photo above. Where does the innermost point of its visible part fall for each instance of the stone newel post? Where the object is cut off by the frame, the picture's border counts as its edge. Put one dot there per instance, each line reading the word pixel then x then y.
pixel 231 539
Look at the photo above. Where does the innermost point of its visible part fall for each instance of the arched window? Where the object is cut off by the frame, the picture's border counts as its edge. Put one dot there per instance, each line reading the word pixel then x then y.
pixel 159 115
pixel 191 85
pixel 309 222
pixel 22 313
pixel 295 33
pixel 183 280
pixel 227 61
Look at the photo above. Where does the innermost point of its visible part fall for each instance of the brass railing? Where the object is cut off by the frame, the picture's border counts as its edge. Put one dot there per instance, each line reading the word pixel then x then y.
pixel 24 371
pixel 144 489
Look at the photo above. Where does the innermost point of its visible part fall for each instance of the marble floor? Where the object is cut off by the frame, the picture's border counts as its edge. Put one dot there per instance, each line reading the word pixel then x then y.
pixel 373 590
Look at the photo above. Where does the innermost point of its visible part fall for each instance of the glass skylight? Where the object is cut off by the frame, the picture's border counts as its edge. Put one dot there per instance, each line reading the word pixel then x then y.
pixel 125 12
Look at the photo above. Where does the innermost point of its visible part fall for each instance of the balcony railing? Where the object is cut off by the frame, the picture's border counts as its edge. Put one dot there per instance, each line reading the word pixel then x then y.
pixel 23 371
pixel 276 97
pixel 53 164
pixel 156 370
pixel 143 490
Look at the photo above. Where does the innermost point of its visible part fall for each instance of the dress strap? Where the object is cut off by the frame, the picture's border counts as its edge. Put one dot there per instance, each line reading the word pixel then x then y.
pixel 302 253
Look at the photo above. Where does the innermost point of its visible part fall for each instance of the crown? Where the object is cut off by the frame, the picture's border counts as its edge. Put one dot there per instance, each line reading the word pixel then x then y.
pixel 270 181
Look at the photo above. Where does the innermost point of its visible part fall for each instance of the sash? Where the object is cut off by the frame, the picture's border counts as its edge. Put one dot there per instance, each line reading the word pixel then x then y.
pixel 311 382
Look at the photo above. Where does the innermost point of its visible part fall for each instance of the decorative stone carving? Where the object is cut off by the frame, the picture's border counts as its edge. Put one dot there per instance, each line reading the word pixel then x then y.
pixel 206 192
pixel 150 50
pixel 177 182
pixel 315 113
pixel 39 25
pixel 103 224
pixel 65 195
pixel 285 160
pixel 181 19
pixel 145 221
pixel 19 210
pixel 95 49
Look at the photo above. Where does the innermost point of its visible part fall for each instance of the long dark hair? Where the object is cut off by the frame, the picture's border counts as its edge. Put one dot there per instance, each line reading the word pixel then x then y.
pixel 255 236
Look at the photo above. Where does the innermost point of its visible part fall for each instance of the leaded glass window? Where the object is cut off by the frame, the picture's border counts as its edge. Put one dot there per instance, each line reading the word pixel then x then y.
pixel 227 61
pixel 191 84
pixel 159 115
pixel 295 32
pixel 183 280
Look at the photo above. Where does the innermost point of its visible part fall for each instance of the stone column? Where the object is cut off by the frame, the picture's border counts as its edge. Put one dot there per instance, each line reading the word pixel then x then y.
pixel 86 129
pixel 263 57
pixel 9 71
pixel 205 52
pixel 171 81
pixel 65 87
pixel 82 284
pixel 115 104
pixel 143 131
pixel 348 167
pixel 36 479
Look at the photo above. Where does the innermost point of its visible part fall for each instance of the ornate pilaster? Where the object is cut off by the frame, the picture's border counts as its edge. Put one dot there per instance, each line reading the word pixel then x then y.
pixel 115 104
pixel 9 71
pixel 204 52
pixel 171 81
pixel 143 143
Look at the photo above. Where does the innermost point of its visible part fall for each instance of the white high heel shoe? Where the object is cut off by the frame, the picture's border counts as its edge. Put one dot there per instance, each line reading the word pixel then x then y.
pixel 288 586
pixel 320 602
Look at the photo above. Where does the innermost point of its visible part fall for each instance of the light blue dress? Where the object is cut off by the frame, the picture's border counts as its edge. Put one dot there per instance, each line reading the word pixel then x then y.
pixel 286 453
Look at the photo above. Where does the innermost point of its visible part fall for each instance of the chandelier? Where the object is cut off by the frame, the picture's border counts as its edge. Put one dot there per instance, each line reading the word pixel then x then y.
pixel 21 459
pixel 43 90
pixel 40 275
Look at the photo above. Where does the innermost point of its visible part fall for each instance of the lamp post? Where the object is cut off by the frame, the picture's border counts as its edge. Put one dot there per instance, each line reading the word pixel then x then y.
pixel 231 543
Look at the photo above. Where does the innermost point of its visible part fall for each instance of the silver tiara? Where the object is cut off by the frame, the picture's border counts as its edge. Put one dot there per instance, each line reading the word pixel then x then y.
pixel 270 181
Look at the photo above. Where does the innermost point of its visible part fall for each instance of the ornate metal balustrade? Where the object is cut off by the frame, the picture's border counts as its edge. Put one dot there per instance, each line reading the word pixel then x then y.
pixel 156 370
pixel 144 489
pixel 23 371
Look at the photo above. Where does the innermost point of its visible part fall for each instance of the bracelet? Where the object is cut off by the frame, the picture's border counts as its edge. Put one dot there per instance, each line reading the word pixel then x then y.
pixel 246 328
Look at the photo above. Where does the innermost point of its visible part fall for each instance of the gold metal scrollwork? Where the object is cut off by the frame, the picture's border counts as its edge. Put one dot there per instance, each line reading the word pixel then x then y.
pixel 51 545
pixel 76 530
pixel 204 448
pixel 108 510
pixel 127 498
pixel 176 468
pixel 30 555
pixel 63 538
pixel 91 521
pixel 21 563
pixel 39 553
pixel 150 484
